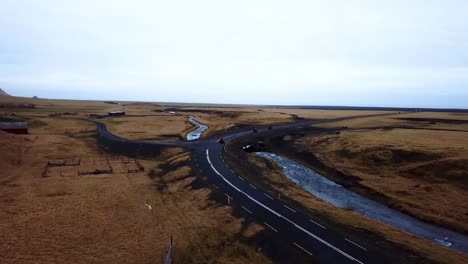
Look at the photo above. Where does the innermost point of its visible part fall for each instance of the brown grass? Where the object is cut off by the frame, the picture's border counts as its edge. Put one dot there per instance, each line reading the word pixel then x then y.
pixel 427 120
pixel 421 172
pixel 154 122
pixel 268 176
pixel 69 219
pixel 219 119
pixel 168 127
pixel 203 230
pixel 103 218
pixel 323 114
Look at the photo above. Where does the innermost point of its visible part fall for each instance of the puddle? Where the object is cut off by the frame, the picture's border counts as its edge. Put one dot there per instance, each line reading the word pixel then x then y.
pixel 339 196
pixel 196 134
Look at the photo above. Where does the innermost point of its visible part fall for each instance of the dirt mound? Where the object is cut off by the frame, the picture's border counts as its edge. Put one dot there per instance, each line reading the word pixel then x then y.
pixel 453 170
pixel 3 93
pixel 387 156
pixel 397 156
pixel 380 156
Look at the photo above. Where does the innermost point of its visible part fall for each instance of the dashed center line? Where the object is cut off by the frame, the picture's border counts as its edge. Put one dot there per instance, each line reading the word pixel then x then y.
pixel 317 224
pixel 357 245
pixel 279 215
pixel 303 249
pixel 216 186
pixel 228 196
pixel 252 186
pixel 268 196
pixel 241 178
pixel 250 212
pixel 289 208
pixel 272 228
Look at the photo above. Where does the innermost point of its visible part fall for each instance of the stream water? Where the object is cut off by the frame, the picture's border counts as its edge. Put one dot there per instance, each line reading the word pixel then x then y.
pixel 339 196
pixel 196 134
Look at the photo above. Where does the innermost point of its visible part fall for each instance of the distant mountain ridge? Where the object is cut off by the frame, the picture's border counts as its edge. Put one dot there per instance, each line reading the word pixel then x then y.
pixel 3 92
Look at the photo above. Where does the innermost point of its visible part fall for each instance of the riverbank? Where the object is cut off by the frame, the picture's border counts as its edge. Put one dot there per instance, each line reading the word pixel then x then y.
pixel 341 197
pixel 268 177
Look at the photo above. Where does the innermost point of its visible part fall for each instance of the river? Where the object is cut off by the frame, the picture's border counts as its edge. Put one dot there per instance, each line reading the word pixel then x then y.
pixel 196 134
pixel 341 197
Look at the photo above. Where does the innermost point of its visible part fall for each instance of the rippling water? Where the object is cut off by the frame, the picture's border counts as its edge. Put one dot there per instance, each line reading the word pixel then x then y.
pixel 196 134
pixel 339 196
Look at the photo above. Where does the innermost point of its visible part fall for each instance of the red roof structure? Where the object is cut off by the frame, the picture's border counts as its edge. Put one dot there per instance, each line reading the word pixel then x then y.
pixel 14 127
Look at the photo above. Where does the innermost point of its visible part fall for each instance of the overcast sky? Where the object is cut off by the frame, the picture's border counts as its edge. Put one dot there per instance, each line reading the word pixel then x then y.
pixel 348 52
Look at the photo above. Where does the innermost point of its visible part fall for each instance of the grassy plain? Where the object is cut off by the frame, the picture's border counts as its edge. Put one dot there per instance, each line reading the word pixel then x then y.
pixel 417 166
pixel 409 161
pixel 105 218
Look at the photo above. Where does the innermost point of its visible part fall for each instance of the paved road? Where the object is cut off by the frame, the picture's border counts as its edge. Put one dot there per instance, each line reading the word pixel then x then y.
pixel 308 235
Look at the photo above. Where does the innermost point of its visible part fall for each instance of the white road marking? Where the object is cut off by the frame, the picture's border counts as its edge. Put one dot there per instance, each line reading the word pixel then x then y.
pixel 216 186
pixel 357 245
pixel 317 224
pixel 241 178
pixel 252 186
pixel 228 196
pixel 303 249
pixel 250 212
pixel 289 208
pixel 270 227
pixel 279 215
pixel 268 196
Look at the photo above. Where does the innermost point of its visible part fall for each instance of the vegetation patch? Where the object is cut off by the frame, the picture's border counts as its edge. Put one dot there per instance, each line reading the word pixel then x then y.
pixel 386 172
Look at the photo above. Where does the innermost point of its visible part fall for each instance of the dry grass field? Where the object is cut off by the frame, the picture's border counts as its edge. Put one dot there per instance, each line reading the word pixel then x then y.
pixel 412 160
pixel 323 114
pixel 421 169
pixel 224 118
pixel 166 122
pixel 417 166
pixel 161 128
pixel 417 120
pixel 205 231
pixel 266 175
pixel 67 217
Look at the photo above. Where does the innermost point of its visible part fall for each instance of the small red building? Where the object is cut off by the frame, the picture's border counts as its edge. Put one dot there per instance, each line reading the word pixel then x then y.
pixel 14 127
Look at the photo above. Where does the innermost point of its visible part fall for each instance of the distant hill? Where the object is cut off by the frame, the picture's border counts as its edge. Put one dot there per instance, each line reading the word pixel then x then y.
pixel 3 93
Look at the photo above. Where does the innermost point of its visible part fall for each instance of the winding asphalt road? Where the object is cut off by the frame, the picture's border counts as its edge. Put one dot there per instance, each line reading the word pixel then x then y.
pixel 308 235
